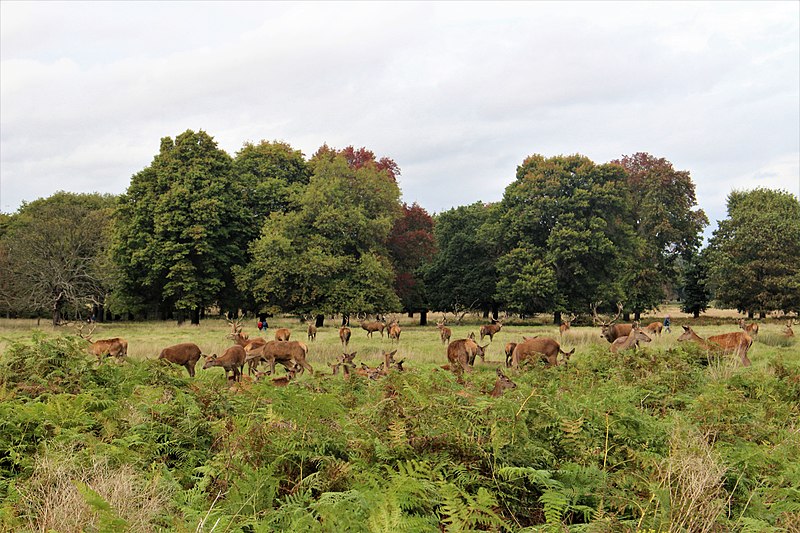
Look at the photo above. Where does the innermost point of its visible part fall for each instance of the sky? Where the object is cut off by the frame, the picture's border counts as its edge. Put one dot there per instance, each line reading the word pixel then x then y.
pixel 457 93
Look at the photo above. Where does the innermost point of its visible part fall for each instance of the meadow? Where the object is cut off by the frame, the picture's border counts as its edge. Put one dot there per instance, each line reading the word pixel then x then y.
pixel 667 438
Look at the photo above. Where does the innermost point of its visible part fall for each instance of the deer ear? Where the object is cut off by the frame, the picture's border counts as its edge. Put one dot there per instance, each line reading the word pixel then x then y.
pixel 686 328
pixel 499 373
pixel 392 353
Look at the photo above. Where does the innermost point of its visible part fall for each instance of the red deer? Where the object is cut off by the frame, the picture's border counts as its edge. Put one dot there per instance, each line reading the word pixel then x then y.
pixel 509 352
pixel 116 347
pixel 491 330
pixel 370 372
pixel 371 327
pixel 501 384
pixel 185 354
pixel 545 348
pixel 788 332
pixel 750 329
pixel 232 361
pixel 444 332
pixel 344 335
pixel 636 336
pixel 737 343
pixel 654 328
pixel 389 362
pixel 242 340
pixel 461 354
pixel 611 331
pixel 312 332
pixel 394 331
pixel 282 334
pixel 565 325
pixel 288 353
pixel 283 381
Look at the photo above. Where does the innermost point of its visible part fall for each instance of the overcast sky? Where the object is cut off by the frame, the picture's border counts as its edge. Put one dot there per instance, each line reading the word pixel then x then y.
pixel 458 94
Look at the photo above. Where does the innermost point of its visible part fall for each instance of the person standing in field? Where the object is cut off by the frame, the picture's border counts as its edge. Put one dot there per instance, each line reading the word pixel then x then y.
pixel 666 324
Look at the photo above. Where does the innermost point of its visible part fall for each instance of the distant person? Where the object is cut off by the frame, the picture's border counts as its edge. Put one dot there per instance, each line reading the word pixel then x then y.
pixel 260 325
pixel 666 324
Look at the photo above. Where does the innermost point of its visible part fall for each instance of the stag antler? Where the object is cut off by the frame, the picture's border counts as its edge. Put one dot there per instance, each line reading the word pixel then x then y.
pixel 79 331
pixel 596 318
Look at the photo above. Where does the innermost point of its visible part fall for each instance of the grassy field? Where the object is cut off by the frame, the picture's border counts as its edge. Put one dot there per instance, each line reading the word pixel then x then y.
pixel 663 439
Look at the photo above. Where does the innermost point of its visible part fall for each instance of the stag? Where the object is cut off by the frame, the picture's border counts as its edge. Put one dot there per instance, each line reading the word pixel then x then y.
pixel 751 329
pixel 565 325
pixel 491 330
pixel 636 336
pixel 788 332
pixel 185 354
pixel 116 347
pixel 545 348
pixel 282 334
pixel 737 342
pixel 232 360
pixel 461 354
pixel 501 384
pixel 611 331
pixel 654 328
pixel 371 327
pixel 290 354
pixel 444 332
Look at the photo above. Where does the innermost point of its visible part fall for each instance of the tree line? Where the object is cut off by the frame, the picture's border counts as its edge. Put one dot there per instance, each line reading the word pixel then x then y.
pixel 271 231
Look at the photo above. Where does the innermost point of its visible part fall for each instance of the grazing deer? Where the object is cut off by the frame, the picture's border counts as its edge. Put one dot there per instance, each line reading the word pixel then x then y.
pixel 461 354
pixel 185 354
pixel 738 343
pixel 654 328
pixel 371 327
pixel 290 354
pixel 636 336
pixel 282 334
pixel 545 348
pixel 232 360
pixel 788 332
pixel 312 332
pixel 491 330
pixel 609 330
pixel 565 325
pixel 116 347
pixel 509 352
pixel 751 329
pixel 444 332
pixel 501 384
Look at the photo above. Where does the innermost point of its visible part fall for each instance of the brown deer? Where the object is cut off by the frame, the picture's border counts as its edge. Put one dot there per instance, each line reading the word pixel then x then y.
pixel 185 354
pixel 636 336
pixel 371 327
pixel 232 360
pixel 501 384
pixel 444 332
pixel 737 343
pixel 491 330
pixel 344 335
pixel 543 348
pixel 282 334
pixel 565 324
pixel 312 332
pixel 654 328
pixel 609 330
pixel 751 329
pixel 509 352
pixel 461 354
pixel 394 331
pixel 116 347
pixel 389 362
pixel 290 354
pixel 242 339
pixel 788 332
pixel 284 380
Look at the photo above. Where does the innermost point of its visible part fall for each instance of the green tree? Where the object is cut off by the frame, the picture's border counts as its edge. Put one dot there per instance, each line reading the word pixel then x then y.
pixel 754 255
pixel 180 228
pixel 329 255
pixel 567 216
pixel 55 249
pixel 694 292
pixel 667 223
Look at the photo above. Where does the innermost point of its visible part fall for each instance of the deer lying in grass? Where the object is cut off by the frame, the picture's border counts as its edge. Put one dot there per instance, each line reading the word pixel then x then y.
pixel 654 328
pixel 543 348
pixel 501 384
pixel 461 354
pixel 751 329
pixel 116 347
pixel 444 332
pixel 284 380
pixel 735 343
pixel 287 353
pixel 185 354
pixel 491 330
pixel 630 341
pixel 282 334
pixel 232 360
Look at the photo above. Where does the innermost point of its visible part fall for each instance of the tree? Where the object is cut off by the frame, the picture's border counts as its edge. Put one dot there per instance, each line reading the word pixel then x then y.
pixel 563 234
pixel 330 255
pixel 664 217
pixel 55 249
pixel 754 255
pixel 180 228
pixel 411 244
pixel 694 292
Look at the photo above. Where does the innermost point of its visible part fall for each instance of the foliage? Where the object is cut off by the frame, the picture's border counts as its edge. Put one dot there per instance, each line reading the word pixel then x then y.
pixel 411 244
pixel 695 295
pixel 754 255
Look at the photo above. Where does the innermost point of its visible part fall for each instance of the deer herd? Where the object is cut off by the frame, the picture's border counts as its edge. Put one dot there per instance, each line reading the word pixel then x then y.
pixel 461 353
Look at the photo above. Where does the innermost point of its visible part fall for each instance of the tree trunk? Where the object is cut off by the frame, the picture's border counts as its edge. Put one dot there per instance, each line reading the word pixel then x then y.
pixel 423 317
pixel 557 318
pixel 697 313
pixel 411 314
pixel 485 313
pixel 495 312
pixel 637 315
pixel 750 315
pixel 345 319
pixel 196 316
pixel 320 320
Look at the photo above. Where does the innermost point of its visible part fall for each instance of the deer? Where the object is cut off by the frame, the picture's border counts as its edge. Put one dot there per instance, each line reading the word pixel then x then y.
pixel 344 335
pixel 444 332
pixel 232 360
pixel 312 332
pixel 565 325
pixel 288 353
pixel 491 330
pixel 788 332
pixel 372 373
pixel 654 328
pixel 509 352
pixel 610 331
pixel 284 380
pixel 636 336
pixel 282 334
pixel 545 348
pixel 394 331
pixel 185 354
pixel 371 327
pixel 501 384
pixel 116 347
pixel 242 339
pixel 461 354
pixel 737 342
pixel 389 362
pixel 751 329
